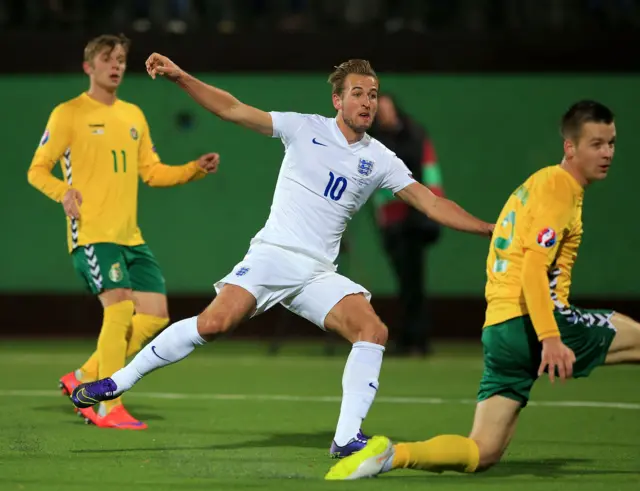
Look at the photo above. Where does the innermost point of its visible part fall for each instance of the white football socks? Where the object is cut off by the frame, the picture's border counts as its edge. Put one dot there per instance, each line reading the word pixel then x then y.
pixel 359 387
pixel 173 344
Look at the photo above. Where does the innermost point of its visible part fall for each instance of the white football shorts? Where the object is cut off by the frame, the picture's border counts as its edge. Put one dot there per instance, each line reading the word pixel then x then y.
pixel 306 286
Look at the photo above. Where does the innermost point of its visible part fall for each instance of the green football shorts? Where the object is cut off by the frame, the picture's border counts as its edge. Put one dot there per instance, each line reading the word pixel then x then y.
pixel 512 352
pixel 106 266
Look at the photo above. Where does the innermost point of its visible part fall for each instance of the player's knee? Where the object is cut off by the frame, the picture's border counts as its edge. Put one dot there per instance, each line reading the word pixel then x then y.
pixel 372 331
pixel 623 356
pixel 490 455
pixel 115 296
pixel 211 324
pixel 161 312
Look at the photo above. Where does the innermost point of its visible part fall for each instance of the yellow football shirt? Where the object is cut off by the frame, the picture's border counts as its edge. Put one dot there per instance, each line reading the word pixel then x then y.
pixel 544 215
pixel 102 149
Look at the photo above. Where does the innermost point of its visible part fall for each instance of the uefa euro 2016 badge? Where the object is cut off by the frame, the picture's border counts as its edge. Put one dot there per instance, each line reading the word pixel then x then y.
pixel 45 137
pixel 547 237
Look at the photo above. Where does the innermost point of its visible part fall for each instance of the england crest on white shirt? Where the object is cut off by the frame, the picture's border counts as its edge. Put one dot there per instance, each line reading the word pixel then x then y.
pixel 365 167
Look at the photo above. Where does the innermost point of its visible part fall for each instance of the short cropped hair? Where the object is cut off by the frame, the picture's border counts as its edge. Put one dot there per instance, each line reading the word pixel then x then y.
pixel 580 113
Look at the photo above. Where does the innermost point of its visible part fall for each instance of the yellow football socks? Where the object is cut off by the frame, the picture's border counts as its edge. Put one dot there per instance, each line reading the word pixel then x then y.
pixel 112 342
pixel 442 453
pixel 89 371
pixel 144 327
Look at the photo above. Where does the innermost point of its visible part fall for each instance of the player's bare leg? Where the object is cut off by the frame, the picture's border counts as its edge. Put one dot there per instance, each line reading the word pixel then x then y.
pixel 493 427
pixel 152 315
pixel 232 305
pixel 625 347
pixel 356 321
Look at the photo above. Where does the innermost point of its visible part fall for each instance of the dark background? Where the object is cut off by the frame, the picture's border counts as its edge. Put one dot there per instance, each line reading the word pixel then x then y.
pixel 489 79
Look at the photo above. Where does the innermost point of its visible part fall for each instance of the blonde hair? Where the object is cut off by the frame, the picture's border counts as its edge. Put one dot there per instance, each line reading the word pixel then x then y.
pixel 359 67
pixel 96 45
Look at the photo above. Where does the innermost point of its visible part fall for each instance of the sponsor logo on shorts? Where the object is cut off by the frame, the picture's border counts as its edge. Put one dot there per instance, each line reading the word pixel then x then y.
pixel 115 273
pixel 546 237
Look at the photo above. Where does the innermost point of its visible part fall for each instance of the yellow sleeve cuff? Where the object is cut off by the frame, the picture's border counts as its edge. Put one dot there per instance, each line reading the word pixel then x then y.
pixel 198 172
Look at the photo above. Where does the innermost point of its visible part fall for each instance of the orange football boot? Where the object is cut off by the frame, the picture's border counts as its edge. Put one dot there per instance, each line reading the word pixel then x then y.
pixel 120 419
pixel 69 382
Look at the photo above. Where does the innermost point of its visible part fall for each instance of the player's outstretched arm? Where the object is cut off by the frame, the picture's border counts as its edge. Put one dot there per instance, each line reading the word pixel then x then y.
pixel 443 210
pixel 156 174
pixel 219 102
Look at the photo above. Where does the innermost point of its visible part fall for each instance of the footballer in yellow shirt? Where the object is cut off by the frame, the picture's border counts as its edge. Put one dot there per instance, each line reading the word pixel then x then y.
pixel 530 327
pixel 104 146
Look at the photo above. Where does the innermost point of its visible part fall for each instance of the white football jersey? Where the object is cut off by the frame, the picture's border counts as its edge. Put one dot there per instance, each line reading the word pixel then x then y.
pixel 323 181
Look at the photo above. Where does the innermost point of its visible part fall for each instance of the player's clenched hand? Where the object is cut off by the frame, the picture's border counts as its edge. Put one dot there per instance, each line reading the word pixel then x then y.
pixel 556 355
pixel 161 65
pixel 490 228
pixel 209 162
pixel 71 203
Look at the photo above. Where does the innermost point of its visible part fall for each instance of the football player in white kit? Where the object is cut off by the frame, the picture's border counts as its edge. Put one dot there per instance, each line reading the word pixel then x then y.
pixel 331 167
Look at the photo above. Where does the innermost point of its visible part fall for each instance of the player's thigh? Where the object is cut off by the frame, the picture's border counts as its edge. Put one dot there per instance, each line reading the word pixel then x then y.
pixel 103 269
pixel 334 302
pixel 144 271
pixel 494 424
pixel 511 359
pixel 589 333
pixel 625 347
pixel 232 305
pixel 354 319
pixel 147 281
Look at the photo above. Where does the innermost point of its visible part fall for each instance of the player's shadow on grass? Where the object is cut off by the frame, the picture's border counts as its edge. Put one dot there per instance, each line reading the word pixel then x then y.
pixel 548 468
pixel 602 444
pixel 320 440
pixel 68 409
pixel 552 467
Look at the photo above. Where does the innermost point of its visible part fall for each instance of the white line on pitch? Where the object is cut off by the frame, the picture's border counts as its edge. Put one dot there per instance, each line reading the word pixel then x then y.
pixel 333 399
